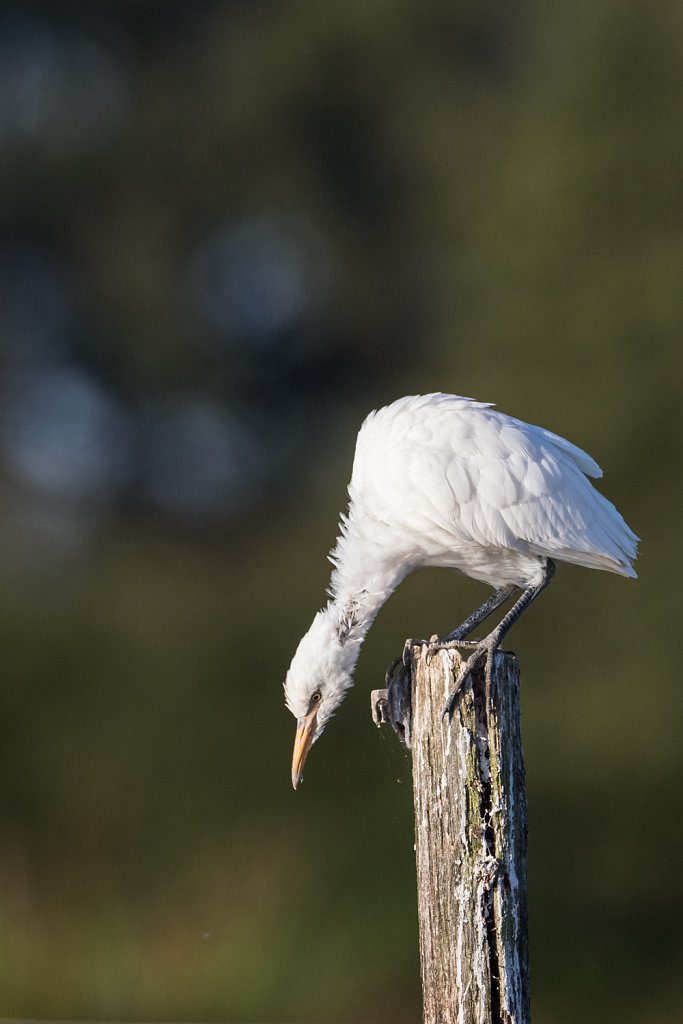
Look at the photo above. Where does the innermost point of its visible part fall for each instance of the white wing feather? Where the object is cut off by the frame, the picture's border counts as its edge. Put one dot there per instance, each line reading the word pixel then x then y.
pixel 447 468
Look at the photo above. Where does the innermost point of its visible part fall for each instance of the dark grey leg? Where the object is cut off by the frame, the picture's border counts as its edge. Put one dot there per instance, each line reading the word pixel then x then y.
pixel 493 641
pixel 497 598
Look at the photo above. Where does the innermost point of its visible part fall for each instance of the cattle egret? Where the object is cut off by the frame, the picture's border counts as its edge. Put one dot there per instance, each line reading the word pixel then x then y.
pixel 440 480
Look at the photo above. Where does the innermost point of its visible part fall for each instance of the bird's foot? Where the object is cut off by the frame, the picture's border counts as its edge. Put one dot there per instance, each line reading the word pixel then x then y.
pixel 393 704
pixel 483 649
pixel 402 662
pixel 436 644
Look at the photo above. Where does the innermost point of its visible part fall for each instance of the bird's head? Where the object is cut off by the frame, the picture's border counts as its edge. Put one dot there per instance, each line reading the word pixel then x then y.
pixel 318 678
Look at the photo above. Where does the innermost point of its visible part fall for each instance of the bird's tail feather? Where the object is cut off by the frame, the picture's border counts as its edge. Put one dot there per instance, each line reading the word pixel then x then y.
pixel 593 560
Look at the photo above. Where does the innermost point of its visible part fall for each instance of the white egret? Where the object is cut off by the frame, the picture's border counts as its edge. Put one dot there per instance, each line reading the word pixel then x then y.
pixel 440 480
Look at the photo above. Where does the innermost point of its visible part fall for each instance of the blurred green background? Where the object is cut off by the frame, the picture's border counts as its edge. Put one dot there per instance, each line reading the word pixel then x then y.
pixel 228 231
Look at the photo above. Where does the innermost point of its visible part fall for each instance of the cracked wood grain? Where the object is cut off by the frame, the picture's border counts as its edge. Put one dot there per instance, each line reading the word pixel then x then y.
pixel 470 843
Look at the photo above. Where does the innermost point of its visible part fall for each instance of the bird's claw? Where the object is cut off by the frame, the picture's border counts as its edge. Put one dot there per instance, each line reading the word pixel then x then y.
pixel 455 694
pixel 408 649
pixel 433 645
pixel 482 650
pixel 403 659
pixel 395 680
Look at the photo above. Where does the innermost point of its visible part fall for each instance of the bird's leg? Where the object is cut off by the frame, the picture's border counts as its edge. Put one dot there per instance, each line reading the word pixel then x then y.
pixel 457 637
pixel 497 598
pixel 493 641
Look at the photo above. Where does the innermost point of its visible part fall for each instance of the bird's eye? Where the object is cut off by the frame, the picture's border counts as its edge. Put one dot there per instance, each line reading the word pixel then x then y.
pixel 316 696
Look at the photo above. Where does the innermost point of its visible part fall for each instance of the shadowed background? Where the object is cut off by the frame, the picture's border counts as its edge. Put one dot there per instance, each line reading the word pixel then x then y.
pixel 228 231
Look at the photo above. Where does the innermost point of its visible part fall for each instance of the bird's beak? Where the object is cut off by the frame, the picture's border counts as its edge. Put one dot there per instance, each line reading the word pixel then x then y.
pixel 305 731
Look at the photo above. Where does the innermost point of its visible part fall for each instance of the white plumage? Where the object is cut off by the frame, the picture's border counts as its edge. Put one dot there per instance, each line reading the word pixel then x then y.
pixel 440 480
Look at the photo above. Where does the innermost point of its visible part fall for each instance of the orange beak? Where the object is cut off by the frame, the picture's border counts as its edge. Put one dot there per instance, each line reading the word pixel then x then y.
pixel 305 731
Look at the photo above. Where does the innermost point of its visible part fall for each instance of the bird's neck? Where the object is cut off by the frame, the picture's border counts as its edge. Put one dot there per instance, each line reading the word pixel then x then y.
pixel 354 612
pixel 365 574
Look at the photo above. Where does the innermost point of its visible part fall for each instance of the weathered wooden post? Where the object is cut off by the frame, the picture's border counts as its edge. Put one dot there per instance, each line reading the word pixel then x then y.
pixel 470 841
